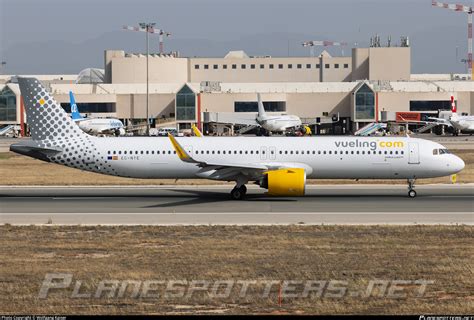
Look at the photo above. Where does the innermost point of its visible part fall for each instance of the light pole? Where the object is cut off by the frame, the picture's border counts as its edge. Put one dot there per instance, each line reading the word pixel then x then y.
pixel 148 26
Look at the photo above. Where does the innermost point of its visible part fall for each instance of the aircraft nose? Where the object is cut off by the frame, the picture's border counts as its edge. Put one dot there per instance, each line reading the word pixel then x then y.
pixel 457 164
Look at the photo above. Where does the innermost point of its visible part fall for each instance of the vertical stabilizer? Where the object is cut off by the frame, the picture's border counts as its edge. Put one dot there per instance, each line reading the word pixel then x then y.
pixel 261 109
pixel 453 105
pixel 75 115
pixel 45 117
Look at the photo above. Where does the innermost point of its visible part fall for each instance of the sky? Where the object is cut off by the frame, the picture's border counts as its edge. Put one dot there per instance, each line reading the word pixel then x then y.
pixel 66 36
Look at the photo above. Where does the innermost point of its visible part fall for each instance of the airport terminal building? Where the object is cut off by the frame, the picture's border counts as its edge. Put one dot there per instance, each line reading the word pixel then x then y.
pixel 336 95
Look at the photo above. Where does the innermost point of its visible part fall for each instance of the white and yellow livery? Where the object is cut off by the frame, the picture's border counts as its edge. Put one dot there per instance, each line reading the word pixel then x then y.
pixel 279 164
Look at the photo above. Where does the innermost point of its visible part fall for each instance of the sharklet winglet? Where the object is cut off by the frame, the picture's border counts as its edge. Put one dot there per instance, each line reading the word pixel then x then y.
pixel 196 131
pixel 182 154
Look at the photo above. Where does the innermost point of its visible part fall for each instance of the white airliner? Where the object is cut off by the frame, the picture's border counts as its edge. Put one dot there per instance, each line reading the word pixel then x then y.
pixel 279 164
pixel 95 125
pixel 464 124
pixel 275 123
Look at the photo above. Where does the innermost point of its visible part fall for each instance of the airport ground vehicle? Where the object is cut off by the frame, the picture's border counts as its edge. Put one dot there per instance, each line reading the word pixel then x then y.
pixel 163 132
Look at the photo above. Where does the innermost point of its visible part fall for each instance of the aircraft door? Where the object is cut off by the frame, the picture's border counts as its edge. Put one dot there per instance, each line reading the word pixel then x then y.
pixel 413 155
pixel 272 151
pixel 263 153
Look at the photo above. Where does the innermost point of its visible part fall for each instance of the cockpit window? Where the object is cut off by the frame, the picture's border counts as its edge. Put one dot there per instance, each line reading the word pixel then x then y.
pixel 440 151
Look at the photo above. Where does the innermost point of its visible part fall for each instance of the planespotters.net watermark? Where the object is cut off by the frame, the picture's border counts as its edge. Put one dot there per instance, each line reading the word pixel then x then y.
pixel 220 289
pixel 31 317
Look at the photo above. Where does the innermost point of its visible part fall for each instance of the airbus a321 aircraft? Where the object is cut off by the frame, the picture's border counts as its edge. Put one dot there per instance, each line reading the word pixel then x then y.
pixel 95 125
pixel 279 164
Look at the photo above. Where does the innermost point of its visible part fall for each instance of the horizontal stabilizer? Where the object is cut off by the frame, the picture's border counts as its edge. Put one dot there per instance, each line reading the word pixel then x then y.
pixel 32 150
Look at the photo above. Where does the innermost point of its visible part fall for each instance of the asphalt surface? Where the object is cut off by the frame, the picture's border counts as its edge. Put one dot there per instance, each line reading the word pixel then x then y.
pixel 335 204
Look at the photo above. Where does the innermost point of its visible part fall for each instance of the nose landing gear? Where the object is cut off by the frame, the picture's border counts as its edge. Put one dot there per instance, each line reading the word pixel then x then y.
pixel 411 188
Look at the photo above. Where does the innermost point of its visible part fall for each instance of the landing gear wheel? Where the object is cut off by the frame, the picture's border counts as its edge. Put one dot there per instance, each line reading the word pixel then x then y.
pixel 411 187
pixel 412 193
pixel 237 194
pixel 243 189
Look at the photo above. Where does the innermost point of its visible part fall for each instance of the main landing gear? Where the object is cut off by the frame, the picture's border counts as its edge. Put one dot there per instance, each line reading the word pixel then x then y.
pixel 411 188
pixel 238 193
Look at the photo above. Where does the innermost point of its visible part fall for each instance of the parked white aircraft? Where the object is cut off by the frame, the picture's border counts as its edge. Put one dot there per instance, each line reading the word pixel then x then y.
pixel 275 123
pixel 279 164
pixel 464 124
pixel 95 125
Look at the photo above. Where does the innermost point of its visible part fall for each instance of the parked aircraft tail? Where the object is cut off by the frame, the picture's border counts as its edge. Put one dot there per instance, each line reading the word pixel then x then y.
pixel 261 109
pixel 75 115
pixel 453 105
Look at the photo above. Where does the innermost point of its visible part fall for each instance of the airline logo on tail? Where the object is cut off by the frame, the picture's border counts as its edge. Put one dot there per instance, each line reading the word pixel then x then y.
pixel 75 115
pixel 453 105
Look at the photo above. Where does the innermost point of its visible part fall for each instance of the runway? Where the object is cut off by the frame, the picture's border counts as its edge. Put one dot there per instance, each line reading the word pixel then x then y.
pixel 170 205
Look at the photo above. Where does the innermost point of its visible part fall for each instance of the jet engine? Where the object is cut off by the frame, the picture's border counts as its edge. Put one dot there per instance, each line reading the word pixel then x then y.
pixel 285 182
pixel 120 132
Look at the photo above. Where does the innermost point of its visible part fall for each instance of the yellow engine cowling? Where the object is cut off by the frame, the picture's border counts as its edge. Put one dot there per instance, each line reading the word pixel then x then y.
pixel 286 182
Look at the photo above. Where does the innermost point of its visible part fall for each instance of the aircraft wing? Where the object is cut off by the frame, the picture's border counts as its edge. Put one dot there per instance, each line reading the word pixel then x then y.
pixel 104 131
pixel 134 127
pixel 246 122
pixel 441 121
pixel 219 171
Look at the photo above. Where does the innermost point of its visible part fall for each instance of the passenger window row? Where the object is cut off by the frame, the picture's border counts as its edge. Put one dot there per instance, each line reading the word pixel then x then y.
pixel 342 152
pixel 319 152
pixel 120 152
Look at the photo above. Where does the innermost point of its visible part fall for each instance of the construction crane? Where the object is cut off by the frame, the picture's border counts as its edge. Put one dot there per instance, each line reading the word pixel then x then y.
pixel 314 43
pixel 468 10
pixel 161 33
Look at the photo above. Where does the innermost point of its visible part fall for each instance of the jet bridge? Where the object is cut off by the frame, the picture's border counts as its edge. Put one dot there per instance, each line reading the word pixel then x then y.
pixel 230 118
